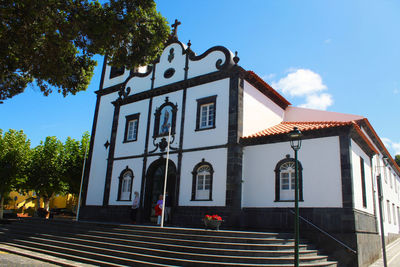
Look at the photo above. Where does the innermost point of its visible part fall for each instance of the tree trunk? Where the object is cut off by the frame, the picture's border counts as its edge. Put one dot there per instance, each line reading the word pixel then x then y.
pixel 46 201
pixel 1 207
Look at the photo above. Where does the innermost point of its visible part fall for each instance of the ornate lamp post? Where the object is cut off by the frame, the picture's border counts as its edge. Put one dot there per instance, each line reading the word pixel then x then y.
pixel 295 142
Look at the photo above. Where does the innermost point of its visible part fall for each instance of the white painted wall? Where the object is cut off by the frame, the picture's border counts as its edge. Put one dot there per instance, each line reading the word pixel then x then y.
pixel 116 80
pixel 98 165
pixel 211 137
pixel 356 153
pixel 206 64
pixel 178 64
pixel 136 147
pixel 259 112
pixel 320 158
pixel 139 84
pixel 218 159
pixel 136 165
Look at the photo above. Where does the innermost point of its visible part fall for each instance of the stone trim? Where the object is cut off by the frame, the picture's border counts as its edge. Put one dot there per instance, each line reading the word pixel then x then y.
pixel 127 120
pixel 346 171
pixel 111 151
pixel 278 179
pixel 203 101
pixel 173 152
pixel 120 178
pixel 194 180
pixel 235 150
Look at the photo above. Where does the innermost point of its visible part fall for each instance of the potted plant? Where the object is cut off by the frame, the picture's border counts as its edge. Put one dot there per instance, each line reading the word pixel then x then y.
pixel 212 221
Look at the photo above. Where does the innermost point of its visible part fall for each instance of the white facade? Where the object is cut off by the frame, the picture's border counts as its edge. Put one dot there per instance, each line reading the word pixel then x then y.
pixel 240 107
pixel 320 159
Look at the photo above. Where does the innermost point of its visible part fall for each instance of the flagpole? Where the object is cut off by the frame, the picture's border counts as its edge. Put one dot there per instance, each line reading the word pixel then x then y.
pixel 165 179
pixel 80 188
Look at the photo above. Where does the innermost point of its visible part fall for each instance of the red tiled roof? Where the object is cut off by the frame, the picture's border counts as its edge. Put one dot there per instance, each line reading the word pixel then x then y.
pixel 286 127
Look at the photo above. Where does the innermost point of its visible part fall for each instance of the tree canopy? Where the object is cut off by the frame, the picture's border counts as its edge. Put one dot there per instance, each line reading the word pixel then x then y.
pixel 14 159
pixel 46 169
pixel 74 155
pixel 52 43
pixel 397 159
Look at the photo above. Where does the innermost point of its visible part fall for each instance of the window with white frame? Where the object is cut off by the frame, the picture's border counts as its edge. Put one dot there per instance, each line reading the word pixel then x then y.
pixel 131 128
pixel 394 214
pixel 202 181
pixel 391 178
pixel 285 180
pixel 125 185
pixel 388 212
pixel 206 112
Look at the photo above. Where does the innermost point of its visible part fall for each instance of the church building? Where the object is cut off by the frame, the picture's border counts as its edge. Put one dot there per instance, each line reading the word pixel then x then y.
pixel 229 154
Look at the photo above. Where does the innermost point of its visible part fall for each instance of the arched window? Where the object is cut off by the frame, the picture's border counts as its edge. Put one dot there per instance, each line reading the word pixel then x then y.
pixel 202 181
pixel 125 185
pixel 285 180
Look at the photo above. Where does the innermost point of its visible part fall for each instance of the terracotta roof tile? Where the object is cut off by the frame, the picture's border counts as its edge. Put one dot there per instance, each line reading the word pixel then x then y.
pixel 286 127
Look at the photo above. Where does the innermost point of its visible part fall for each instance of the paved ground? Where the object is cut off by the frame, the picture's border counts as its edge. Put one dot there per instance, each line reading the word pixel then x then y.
pixel 8 259
pixel 392 255
pixel 21 257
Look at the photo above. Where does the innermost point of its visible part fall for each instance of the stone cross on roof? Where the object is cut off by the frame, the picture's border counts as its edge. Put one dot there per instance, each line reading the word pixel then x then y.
pixel 175 29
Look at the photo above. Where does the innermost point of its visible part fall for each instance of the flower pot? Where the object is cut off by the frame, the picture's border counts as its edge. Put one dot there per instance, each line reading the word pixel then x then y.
pixel 212 224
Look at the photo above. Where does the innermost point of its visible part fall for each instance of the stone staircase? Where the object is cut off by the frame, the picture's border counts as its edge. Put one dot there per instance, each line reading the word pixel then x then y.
pixel 104 244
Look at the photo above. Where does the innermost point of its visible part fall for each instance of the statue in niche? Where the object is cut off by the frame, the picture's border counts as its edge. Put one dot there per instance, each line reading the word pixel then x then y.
pixel 166 122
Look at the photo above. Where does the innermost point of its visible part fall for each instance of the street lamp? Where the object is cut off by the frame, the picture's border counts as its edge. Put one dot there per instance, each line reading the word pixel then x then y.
pixel 295 142
pixel 380 196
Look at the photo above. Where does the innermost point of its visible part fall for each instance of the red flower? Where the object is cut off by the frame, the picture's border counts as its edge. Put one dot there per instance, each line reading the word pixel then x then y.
pixel 216 218
pixel 213 217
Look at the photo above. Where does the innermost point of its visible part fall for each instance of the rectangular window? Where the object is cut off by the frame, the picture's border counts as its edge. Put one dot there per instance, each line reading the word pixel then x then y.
pixel 363 186
pixel 207 116
pixel 390 178
pixel 206 112
pixel 131 128
pixel 394 214
pixel 388 212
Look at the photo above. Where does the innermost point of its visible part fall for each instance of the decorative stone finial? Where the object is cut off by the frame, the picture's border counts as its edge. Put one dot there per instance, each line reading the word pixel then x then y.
pixel 236 58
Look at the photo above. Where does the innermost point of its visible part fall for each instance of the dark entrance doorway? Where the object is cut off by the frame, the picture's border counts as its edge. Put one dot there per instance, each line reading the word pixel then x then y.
pixel 155 185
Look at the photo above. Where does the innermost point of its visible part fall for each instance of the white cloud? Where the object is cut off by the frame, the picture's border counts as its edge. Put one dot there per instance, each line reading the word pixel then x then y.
pixel 390 145
pixel 322 101
pixel 305 83
pixel 328 41
pixel 300 82
pixel 396 91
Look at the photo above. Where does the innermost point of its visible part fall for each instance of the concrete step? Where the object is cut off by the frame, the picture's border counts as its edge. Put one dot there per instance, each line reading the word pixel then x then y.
pixel 128 245
pixel 130 251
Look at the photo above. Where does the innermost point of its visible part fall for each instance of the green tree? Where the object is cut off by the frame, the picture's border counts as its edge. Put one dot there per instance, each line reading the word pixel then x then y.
pixel 397 159
pixel 52 43
pixel 14 159
pixel 46 170
pixel 74 152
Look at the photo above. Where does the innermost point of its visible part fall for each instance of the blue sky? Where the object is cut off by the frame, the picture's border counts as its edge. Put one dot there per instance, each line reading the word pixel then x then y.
pixel 341 56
